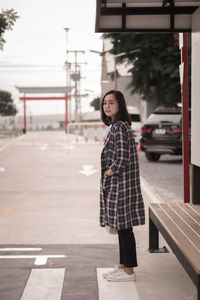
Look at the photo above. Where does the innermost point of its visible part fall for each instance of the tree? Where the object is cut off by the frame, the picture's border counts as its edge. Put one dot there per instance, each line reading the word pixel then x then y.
pixel 96 103
pixel 7 108
pixel 154 64
pixel 7 20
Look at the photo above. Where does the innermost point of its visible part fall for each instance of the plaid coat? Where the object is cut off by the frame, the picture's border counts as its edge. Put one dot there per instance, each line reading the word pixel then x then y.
pixel 121 202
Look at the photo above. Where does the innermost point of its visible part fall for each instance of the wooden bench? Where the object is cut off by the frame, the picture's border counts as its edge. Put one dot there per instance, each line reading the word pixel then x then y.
pixel 179 224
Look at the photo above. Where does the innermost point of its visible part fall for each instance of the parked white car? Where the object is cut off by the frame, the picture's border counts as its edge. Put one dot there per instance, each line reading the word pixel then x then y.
pixel 136 121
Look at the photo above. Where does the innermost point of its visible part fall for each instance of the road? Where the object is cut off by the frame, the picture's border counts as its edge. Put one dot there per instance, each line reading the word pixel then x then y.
pixel 49 216
pixel 164 176
pixel 42 183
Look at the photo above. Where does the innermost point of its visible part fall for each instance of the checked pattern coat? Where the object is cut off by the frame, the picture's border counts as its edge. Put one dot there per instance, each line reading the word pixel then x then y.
pixel 121 202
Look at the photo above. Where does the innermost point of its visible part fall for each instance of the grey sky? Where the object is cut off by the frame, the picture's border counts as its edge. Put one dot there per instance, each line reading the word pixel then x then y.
pixel 39 38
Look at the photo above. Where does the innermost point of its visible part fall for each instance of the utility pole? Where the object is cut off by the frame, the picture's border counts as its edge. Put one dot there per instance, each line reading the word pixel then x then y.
pixel 68 85
pixel 76 77
pixel 68 68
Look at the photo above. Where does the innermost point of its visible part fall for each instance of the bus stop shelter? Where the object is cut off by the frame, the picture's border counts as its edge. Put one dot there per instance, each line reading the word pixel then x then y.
pixel 167 16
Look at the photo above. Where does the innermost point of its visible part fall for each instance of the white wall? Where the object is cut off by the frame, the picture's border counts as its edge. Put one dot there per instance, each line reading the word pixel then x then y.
pixel 195 125
pixel 134 100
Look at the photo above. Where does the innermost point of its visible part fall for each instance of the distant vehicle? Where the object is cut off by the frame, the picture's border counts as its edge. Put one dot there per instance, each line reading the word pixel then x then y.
pixel 162 133
pixel 136 121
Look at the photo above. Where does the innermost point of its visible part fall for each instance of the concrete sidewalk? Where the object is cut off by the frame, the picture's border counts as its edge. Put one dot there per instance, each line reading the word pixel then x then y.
pixel 56 207
pixel 160 275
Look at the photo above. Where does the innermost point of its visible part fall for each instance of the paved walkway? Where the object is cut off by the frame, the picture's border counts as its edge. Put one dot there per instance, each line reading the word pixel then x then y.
pixel 51 246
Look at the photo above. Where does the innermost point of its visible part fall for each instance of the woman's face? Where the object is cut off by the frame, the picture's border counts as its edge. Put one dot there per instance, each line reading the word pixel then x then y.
pixel 110 106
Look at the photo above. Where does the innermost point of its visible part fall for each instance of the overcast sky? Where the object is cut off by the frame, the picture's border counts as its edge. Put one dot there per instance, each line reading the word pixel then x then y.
pixel 39 38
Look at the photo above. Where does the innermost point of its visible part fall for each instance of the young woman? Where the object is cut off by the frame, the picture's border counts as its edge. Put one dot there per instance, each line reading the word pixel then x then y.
pixel 121 202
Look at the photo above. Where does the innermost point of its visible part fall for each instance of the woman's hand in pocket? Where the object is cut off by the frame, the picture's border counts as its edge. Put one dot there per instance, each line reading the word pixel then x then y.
pixel 108 173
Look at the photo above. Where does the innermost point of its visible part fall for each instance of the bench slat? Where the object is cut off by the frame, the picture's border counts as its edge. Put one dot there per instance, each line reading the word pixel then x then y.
pixel 193 223
pixel 182 225
pixel 191 253
pixel 188 208
pixel 195 207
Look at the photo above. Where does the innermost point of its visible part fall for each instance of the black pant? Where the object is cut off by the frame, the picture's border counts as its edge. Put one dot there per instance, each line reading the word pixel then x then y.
pixel 127 248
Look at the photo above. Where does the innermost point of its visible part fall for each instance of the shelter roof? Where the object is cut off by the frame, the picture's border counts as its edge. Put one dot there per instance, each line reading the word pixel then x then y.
pixel 145 15
pixel 43 89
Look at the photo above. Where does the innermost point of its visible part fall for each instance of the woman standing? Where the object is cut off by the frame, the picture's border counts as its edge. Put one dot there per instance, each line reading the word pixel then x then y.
pixel 121 202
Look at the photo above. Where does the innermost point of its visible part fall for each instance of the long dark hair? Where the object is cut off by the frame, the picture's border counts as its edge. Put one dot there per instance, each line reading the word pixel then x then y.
pixel 122 114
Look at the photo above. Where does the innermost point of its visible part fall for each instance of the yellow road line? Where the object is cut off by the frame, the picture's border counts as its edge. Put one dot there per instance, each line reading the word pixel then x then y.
pixel 7 213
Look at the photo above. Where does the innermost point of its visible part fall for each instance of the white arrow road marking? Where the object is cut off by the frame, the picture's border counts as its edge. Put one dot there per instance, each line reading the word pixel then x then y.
pixel 2 169
pixel 44 284
pixel 39 259
pixel 115 290
pixel 20 249
pixel 87 170
pixel 66 146
pixel 42 148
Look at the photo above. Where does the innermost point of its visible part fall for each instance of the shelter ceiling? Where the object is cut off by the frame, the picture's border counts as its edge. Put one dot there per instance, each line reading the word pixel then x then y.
pixel 145 15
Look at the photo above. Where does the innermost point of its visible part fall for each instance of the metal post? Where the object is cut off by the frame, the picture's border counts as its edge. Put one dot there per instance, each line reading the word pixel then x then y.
pixel 195 184
pixel 185 121
pixel 153 237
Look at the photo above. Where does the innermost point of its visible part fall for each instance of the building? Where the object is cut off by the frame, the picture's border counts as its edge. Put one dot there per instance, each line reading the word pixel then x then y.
pixel 123 80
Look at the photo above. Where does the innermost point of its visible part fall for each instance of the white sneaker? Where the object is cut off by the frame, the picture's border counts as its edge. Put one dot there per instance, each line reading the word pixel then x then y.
pixel 113 271
pixel 121 276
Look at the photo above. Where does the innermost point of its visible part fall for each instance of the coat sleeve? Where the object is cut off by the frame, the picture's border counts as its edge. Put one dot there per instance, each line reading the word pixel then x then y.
pixel 121 148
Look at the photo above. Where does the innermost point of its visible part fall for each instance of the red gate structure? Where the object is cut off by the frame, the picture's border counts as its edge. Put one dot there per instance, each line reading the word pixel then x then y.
pixel 42 90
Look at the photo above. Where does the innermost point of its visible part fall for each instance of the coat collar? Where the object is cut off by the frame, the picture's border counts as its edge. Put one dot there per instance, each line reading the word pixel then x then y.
pixel 107 139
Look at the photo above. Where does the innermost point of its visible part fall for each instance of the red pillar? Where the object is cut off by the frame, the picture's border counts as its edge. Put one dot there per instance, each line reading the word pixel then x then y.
pixel 24 129
pixel 185 121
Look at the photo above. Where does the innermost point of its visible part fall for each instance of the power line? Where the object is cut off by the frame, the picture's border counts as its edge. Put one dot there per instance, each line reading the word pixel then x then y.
pixel 28 66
